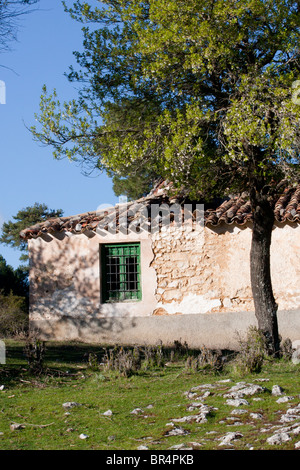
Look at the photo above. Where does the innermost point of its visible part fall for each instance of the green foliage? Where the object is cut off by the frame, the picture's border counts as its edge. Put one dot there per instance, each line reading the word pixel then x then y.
pixel 13 315
pixel 134 184
pixel 12 280
pixel 252 352
pixel 200 92
pixel 14 300
pixel 25 217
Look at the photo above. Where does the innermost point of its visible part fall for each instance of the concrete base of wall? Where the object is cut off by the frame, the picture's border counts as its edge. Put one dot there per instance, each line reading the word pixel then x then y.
pixel 210 330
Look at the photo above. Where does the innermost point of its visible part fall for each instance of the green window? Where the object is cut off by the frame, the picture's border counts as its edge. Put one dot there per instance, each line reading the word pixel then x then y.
pixel 121 272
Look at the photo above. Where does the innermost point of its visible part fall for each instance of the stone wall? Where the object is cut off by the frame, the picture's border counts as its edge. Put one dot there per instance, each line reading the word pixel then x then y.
pixel 208 271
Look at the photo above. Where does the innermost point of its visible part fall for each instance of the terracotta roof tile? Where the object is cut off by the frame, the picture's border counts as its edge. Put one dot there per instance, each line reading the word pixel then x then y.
pixel 235 210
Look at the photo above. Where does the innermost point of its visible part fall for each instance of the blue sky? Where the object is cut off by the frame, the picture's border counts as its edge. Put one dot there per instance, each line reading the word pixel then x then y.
pixel 46 39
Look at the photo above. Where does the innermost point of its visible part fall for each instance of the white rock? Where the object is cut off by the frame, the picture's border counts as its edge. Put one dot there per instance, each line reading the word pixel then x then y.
pixel 294 410
pixel 180 447
pixel 279 438
pixel 229 437
pixel 194 406
pixel 177 432
pixel 190 395
pixel 201 387
pixel 284 399
pixel 70 404
pixel 185 419
pixel 205 395
pixel 288 418
pixel 277 390
pixel 142 448
pixel 237 402
pixel 16 426
pixel 137 411
pixel 107 413
pixel 239 412
pixel 242 389
pixel 296 431
pixel 296 356
pixel 83 436
pixel 252 389
pixel 195 444
pixel 237 387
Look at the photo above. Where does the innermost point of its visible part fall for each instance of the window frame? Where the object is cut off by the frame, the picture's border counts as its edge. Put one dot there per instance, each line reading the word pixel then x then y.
pixel 122 252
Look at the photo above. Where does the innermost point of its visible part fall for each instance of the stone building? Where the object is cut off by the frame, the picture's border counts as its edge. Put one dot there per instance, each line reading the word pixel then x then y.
pixel 160 269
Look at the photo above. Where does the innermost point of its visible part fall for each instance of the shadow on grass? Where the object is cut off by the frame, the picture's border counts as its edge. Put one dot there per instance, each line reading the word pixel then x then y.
pixel 61 359
pixel 69 359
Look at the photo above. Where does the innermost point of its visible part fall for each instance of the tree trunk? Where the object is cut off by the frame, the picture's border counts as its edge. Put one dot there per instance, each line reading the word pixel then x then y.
pixel 262 291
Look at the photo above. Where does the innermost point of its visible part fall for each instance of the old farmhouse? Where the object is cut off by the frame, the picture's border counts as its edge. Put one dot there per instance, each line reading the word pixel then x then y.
pixel 160 269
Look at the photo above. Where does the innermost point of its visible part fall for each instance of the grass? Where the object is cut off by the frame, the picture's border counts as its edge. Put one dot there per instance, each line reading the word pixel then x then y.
pixel 35 402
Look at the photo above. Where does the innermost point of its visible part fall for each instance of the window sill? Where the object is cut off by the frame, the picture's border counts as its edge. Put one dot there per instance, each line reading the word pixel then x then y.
pixel 126 301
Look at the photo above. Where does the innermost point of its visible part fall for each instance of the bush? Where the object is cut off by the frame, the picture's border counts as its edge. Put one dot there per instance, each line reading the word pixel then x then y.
pixel 126 362
pixel 13 315
pixel 35 354
pixel 286 349
pixel 252 352
pixel 179 350
pixel 154 357
pixel 129 361
pixel 207 360
pixel 93 361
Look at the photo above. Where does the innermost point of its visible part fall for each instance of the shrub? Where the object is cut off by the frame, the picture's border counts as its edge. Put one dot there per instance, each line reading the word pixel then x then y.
pixel 13 315
pixel 126 362
pixel 35 354
pixel 252 352
pixel 153 356
pixel 179 350
pixel 207 360
pixel 93 361
pixel 286 349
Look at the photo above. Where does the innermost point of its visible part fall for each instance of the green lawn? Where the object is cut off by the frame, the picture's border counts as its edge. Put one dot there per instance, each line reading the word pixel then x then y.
pixel 36 403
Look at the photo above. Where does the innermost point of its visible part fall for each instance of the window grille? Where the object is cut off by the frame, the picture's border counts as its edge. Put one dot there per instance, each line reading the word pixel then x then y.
pixel 121 272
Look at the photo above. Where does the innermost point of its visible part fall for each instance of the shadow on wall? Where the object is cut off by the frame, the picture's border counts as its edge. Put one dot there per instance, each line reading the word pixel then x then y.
pixel 65 287
pixel 86 330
